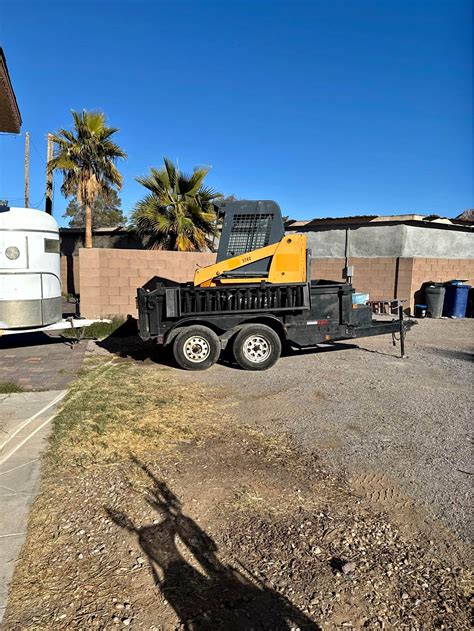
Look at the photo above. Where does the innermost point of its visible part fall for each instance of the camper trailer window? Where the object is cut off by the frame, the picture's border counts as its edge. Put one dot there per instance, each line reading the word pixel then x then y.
pixel 51 246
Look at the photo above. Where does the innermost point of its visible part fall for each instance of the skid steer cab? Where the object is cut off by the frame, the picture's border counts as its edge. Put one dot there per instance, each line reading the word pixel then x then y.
pixel 255 298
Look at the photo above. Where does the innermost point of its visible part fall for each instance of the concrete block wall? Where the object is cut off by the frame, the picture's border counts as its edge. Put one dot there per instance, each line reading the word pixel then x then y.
pixel 109 277
pixel 439 270
pixel 394 261
pixel 389 277
pixel 375 276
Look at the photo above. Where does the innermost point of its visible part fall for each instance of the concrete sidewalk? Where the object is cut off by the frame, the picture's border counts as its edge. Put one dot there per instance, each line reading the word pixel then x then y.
pixel 25 422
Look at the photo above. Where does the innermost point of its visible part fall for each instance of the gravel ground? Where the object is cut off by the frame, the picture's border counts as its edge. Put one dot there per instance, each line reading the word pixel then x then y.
pixel 160 508
pixel 399 428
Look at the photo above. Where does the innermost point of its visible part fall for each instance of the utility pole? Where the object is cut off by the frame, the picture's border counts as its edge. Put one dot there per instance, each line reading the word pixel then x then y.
pixel 49 178
pixel 27 170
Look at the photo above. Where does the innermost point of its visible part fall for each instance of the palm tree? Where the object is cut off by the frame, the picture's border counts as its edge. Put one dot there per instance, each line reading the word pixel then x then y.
pixel 178 211
pixel 86 157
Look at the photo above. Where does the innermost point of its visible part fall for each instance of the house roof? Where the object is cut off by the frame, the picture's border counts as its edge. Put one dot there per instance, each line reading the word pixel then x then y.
pixel 467 216
pixel 364 220
pixel 10 117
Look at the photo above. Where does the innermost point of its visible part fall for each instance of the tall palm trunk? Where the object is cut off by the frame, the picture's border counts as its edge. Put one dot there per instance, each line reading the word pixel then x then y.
pixel 88 226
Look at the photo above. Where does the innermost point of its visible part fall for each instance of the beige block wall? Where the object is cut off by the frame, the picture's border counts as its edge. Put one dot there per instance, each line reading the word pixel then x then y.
pixel 375 276
pixel 109 278
pixel 379 278
pixel 439 270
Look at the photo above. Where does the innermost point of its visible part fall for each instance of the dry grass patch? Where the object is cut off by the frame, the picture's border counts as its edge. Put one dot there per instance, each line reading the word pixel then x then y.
pixel 115 409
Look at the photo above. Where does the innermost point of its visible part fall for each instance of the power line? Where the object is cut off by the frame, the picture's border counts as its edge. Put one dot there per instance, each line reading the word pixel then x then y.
pixel 35 148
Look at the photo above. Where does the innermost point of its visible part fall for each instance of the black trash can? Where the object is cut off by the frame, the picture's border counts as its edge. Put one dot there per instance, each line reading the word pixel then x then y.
pixel 434 300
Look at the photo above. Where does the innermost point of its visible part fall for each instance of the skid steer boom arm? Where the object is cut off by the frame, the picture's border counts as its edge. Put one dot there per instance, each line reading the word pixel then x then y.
pixel 287 265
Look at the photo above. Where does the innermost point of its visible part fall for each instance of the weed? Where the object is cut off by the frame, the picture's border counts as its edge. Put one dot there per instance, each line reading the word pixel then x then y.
pixel 98 330
pixel 248 499
pixel 69 297
pixel 10 387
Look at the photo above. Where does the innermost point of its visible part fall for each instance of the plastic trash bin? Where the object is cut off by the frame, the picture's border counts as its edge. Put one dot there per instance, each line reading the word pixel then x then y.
pixel 420 311
pixel 455 302
pixel 434 300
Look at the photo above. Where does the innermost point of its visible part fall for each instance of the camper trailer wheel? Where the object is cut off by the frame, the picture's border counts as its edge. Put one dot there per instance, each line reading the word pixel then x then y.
pixel 196 348
pixel 256 347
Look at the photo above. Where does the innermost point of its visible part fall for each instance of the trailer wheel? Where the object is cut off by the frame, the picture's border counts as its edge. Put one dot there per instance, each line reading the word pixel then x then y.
pixel 256 347
pixel 196 348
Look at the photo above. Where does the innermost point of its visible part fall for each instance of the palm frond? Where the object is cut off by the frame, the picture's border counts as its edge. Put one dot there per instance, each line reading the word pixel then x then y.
pixel 177 212
pixel 208 194
pixel 93 121
pixel 171 171
pixel 86 156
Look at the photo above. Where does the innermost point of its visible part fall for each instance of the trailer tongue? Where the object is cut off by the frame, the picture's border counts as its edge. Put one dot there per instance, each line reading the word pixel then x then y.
pixel 255 300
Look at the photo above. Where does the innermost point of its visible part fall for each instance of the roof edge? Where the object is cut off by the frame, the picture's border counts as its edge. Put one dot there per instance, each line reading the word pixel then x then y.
pixel 5 79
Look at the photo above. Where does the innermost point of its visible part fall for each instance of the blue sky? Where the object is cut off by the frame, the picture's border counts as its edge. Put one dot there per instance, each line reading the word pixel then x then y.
pixel 329 107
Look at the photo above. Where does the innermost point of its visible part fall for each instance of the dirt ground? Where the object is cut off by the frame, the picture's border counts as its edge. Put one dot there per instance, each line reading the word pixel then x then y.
pixel 400 429
pixel 240 501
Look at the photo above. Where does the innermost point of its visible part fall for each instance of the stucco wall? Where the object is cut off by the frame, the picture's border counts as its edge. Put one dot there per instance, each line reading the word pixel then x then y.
pixel 441 244
pixel 396 241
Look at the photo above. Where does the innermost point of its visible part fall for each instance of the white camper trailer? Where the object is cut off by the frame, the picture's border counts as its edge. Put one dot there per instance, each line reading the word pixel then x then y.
pixel 30 279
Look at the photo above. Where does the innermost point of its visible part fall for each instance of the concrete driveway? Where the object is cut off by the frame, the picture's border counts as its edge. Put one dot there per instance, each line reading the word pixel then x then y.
pixel 25 424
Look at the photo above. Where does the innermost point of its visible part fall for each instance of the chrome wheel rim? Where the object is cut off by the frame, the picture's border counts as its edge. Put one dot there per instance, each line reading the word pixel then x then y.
pixel 256 349
pixel 196 349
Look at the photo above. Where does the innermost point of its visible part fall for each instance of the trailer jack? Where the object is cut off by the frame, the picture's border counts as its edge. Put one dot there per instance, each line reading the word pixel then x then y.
pixel 402 332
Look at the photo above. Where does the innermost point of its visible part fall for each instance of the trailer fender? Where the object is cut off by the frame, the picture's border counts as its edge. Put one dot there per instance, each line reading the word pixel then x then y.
pixel 172 333
pixel 270 321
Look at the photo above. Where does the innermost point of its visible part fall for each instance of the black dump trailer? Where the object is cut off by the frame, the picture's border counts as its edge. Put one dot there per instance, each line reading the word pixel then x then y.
pixel 254 319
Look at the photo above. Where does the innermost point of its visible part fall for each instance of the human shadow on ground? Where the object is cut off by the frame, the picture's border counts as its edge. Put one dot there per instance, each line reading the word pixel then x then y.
pixel 205 593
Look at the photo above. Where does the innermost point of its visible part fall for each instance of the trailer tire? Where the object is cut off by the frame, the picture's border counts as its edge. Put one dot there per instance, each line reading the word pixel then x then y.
pixel 196 348
pixel 256 347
